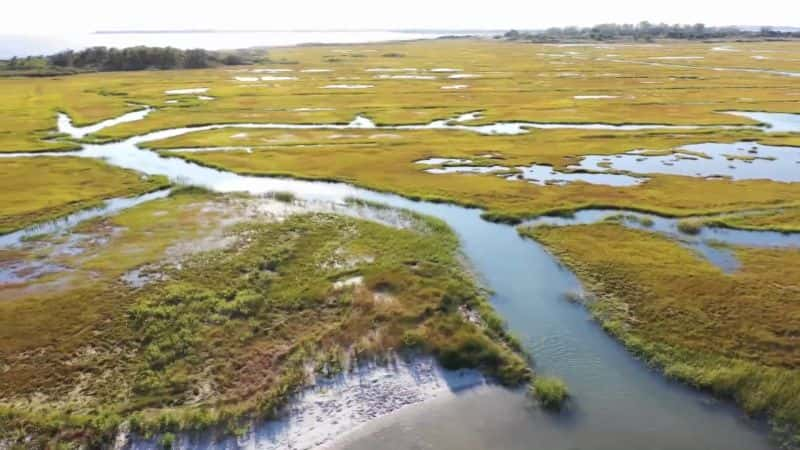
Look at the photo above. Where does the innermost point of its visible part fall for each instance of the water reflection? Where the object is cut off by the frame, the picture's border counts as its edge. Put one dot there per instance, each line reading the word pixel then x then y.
pixel 737 161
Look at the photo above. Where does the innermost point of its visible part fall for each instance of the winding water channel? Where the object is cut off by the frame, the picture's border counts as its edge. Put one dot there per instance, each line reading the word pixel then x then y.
pixel 619 402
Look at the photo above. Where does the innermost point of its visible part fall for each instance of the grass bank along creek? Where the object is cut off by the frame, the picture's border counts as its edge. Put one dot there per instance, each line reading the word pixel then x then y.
pixel 234 321
pixel 413 289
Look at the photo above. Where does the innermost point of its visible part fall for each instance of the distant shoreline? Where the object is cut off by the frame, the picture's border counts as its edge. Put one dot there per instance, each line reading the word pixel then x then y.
pixel 213 40
pixel 335 30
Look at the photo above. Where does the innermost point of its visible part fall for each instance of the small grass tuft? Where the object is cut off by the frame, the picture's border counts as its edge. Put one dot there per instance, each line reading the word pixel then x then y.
pixel 551 392
pixel 283 196
pixel 167 441
pixel 690 226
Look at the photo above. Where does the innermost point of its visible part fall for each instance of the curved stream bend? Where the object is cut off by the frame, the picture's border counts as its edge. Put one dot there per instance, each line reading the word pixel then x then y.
pixel 65 125
pixel 620 403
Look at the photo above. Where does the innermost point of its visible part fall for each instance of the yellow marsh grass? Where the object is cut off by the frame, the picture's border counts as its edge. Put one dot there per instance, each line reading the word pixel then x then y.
pixel 43 188
pixel 517 82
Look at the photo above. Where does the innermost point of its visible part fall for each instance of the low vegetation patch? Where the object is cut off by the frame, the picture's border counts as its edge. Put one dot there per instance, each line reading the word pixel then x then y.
pixel 551 392
pixel 229 334
pixel 71 184
pixel 734 335
pixel 783 220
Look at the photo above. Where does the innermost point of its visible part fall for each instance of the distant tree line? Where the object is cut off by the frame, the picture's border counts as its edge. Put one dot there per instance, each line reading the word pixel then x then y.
pixel 96 59
pixel 645 31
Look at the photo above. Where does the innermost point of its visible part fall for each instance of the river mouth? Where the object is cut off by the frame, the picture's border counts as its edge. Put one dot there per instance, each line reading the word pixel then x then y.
pixel 619 401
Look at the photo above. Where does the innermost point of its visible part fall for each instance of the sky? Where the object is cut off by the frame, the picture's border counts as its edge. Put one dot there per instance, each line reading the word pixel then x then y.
pixel 43 17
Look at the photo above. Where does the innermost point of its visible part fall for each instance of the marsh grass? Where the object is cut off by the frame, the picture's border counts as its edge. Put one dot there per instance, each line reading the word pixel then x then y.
pixel 728 334
pixel 360 202
pixel 229 334
pixel 551 392
pixel 392 169
pixel 71 184
pixel 387 165
pixel 784 220
pixel 213 321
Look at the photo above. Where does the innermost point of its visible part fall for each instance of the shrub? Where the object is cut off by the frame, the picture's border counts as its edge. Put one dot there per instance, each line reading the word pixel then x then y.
pixel 551 392
pixel 167 441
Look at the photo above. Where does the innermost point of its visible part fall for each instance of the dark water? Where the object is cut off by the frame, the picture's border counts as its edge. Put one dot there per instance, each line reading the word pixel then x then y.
pixel 619 402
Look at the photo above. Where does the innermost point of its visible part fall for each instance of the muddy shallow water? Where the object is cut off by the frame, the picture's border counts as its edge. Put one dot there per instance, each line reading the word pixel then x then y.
pixel 737 161
pixel 618 401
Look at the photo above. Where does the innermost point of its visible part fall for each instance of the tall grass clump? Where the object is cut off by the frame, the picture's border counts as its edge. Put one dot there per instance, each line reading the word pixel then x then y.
pixel 551 392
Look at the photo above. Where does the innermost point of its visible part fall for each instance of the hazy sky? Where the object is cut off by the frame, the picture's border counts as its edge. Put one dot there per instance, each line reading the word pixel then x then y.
pixel 53 16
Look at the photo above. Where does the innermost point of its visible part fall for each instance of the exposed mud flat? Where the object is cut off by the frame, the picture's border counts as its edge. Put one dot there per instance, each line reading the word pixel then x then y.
pixel 56 240
pixel 19 272
pixel 61 225
pixel 331 408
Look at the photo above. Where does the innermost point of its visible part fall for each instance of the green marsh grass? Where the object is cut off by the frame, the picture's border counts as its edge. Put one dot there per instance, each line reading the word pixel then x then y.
pixel 551 392
pixel 726 333
pixel 227 335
